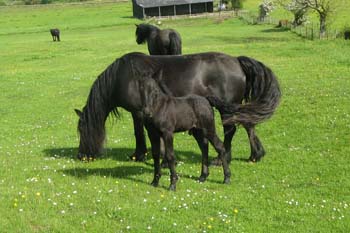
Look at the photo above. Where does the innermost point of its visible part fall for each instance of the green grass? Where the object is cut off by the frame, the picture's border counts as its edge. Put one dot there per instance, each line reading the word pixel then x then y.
pixel 301 185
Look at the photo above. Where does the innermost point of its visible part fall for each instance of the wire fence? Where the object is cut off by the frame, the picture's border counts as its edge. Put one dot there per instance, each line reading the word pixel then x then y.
pixel 309 31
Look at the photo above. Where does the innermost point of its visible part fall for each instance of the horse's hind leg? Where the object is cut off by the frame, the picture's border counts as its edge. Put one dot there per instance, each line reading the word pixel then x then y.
pixel 257 149
pixel 220 149
pixel 141 149
pixel 203 145
pixel 229 131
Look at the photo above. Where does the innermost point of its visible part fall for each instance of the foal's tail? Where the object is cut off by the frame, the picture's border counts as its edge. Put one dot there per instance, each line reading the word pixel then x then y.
pixel 175 44
pixel 262 94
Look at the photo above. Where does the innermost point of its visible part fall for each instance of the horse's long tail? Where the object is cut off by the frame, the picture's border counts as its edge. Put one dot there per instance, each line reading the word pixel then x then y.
pixel 175 44
pixel 262 94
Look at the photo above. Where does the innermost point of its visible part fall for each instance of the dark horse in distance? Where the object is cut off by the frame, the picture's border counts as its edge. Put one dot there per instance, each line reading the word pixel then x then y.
pixel 165 114
pixel 159 42
pixel 55 33
pixel 242 81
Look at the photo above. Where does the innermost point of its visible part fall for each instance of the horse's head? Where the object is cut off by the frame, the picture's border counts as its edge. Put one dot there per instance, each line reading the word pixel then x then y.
pixel 90 144
pixel 142 32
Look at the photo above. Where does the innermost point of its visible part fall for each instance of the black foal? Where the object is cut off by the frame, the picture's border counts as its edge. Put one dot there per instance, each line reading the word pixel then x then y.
pixel 166 115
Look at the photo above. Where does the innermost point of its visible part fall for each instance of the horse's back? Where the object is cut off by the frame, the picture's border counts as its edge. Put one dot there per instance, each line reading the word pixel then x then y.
pixel 203 74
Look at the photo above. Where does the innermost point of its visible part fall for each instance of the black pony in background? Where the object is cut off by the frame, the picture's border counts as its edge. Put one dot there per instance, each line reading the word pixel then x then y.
pixel 241 81
pixel 164 115
pixel 159 42
pixel 55 33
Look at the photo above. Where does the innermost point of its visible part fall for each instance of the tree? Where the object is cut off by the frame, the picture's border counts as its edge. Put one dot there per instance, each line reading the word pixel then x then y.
pixel 298 10
pixel 323 8
pixel 265 8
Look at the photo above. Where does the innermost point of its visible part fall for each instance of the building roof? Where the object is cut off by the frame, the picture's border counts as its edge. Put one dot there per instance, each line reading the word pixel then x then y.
pixel 156 3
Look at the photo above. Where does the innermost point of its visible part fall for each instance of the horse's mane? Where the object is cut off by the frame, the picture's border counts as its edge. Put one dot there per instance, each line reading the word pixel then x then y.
pixel 143 31
pixel 100 102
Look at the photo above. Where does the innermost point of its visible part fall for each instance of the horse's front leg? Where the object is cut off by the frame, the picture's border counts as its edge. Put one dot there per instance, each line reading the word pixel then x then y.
pixel 169 154
pixel 141 148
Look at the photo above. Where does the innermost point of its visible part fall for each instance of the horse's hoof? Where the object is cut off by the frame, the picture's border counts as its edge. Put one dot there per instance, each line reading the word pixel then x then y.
pixel 202 178
pixel 154 184
pixel 253 159
pixel 227 180
pixel 138 157
pixel 85 158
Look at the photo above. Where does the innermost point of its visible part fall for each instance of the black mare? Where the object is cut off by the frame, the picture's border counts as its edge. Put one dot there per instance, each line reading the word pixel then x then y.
pixel 159 42
pixel 243 81
pixel 55 33
pixel 164 115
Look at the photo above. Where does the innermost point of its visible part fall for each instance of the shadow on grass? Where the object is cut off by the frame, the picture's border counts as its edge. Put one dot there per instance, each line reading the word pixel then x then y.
pixel 276 29
pixel 256 39
pixel 122 154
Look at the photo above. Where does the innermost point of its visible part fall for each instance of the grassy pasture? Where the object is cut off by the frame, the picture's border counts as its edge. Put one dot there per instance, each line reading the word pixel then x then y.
pixel 301 185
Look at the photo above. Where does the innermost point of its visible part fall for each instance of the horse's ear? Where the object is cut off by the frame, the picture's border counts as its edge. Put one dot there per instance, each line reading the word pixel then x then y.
pixel 79 113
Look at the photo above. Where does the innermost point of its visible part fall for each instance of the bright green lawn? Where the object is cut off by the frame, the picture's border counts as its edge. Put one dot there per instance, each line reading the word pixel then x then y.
pixel 302 185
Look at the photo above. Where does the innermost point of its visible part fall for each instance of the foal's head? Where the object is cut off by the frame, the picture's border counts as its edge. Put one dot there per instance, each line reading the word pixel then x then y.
pixel 150 94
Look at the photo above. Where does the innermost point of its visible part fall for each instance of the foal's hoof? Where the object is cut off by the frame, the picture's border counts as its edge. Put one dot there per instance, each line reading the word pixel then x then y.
pixel 172 187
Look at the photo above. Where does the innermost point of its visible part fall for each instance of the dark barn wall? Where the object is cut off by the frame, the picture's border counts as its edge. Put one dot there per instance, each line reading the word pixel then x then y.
pixel 152 11
pixel 182 10
pixel 172 10
pixel 167 10
pixel 137 10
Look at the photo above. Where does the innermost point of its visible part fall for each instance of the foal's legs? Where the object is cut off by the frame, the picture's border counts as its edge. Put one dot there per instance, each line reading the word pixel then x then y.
pixel 141 149
pixel 155 143
pixel 256 148
pixel 203 145
pixel 229 131
pixel 169 154
pixel 220 149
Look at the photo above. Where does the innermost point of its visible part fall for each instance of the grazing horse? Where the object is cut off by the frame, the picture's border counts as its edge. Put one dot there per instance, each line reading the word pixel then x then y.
pixel 165 115
pixel 243 81
pixel 55 33
pixel 159 42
